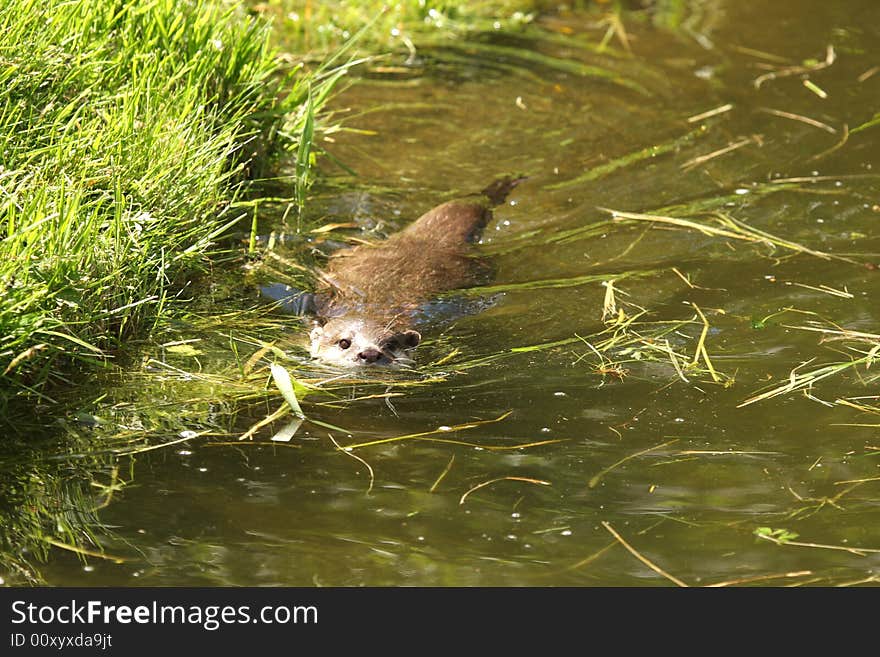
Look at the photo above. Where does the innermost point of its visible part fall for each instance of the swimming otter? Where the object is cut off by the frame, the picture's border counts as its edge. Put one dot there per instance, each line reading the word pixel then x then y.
pixel 369 292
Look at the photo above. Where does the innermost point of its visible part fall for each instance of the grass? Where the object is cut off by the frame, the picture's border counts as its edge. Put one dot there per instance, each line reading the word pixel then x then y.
pixel 315 27
pixel 639 156
pixel 862 350
pixel 127 130
pixel 630 337
pixel 405 37
pixel 724 225
pixel 53 503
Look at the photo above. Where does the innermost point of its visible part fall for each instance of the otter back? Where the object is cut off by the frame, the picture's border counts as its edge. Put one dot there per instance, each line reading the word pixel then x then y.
pixel 393 277
pixel 368 293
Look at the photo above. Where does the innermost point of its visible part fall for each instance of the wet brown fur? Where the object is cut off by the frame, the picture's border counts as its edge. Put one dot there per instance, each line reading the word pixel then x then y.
pixel 388 280
pixel 368 293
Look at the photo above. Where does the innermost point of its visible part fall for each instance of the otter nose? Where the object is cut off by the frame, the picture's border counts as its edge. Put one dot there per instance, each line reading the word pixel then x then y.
pixel 370 355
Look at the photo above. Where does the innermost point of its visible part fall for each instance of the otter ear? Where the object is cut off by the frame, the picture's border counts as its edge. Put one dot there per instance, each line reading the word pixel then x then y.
pixel 411 338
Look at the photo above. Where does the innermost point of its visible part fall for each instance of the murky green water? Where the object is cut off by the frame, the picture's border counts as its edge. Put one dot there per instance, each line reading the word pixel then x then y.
pixel 659 458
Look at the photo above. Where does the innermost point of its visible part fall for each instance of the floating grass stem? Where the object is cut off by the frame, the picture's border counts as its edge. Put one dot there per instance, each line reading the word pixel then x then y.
pixel 710 113
pixel 649 152
pixel 865 351
pixel 806 380
pixel 411 436
pixel 702 159
pixel 802 119
pixel 83 551
pixel 701 346
pixel 558 63
pixel 788 71
pixel 816 89
pixel 726 226
pixel 347 451
pixel 528 480
pixel 774 538
pixel 759 578
pixel 597 478
pixel 650 564
pixel 442 474
pixel 875 121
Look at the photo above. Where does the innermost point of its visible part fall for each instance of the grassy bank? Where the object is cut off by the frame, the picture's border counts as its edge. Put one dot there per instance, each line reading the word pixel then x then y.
pixel 126 130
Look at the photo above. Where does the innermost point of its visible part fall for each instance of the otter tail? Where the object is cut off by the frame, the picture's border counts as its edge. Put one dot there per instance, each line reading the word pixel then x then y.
pixel 498 190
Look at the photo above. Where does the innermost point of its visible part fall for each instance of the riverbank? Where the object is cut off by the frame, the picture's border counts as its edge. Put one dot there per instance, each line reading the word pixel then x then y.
pixel 128 131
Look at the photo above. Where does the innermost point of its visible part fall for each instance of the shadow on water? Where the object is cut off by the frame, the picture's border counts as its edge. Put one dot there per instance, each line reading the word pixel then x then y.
pixel 622 453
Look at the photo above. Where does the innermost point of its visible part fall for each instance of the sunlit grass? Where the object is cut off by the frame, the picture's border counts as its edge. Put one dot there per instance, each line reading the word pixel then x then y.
pixel 323 26
pixel 127 132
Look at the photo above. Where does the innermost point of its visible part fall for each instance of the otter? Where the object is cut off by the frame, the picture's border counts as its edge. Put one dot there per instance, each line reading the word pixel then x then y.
pixel 368 294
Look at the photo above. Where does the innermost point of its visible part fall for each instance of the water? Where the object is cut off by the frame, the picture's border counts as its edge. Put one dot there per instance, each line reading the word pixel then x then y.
pixel 673 468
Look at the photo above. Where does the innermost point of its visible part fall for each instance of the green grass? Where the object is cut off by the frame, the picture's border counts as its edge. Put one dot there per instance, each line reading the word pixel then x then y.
pixel 400 36
pixel 127 131
pixel 311 26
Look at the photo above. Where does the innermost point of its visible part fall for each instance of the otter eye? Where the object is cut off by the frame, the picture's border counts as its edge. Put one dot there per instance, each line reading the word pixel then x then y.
pixel 344 343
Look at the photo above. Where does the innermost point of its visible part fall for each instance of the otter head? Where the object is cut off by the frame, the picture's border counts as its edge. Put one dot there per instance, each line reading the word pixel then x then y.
pixel 355 342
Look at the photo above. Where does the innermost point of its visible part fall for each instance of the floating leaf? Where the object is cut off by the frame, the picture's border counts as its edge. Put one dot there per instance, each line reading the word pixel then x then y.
pixel 285 385
pixel 184 350
pixel 287 431
pixel 779 535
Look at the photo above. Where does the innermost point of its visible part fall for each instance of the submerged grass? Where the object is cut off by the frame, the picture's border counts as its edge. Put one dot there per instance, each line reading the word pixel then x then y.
pixel 53 504
pixel 127 130
pixel 647 153
pixel 862 350
pixel 323 26
pixel 630 338
pixel 413 32
pixel 577 68
pixel 724 225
